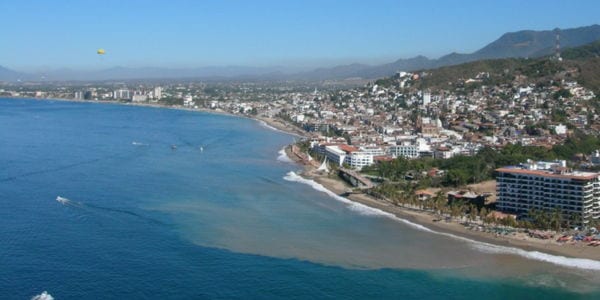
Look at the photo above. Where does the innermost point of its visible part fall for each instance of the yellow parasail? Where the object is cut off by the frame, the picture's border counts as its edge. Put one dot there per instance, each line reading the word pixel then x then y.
pixel 101 51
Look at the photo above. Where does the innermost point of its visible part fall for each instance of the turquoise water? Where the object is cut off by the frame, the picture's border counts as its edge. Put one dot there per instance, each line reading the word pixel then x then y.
pixel 220 216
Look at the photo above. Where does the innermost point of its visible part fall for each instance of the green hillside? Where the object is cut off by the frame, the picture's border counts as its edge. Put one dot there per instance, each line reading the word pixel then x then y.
pixel 581 64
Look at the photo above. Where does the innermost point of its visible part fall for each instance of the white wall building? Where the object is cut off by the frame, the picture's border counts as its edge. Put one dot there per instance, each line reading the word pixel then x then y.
pixel 426 99
pixel 411 149
pixel 188 101
pixel 122 94
pixel 548 186
pixel 356 158
pixel 139 98
pixel 158 93
pixel 560 129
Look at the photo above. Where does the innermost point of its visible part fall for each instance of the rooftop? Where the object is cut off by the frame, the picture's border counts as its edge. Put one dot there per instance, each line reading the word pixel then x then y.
pixel 562 174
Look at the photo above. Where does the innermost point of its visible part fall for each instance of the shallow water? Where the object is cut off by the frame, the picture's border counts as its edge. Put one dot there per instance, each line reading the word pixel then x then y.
pixel 229 221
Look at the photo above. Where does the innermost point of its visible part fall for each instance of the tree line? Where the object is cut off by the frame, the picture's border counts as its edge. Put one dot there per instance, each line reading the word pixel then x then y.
pixel 460 170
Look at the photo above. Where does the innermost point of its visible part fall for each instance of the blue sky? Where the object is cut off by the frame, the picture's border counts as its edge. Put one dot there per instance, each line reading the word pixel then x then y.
pixel 304 33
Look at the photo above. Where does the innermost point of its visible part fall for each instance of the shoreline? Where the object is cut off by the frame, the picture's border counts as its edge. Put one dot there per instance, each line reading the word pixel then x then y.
pixel 274 124
pixel 451 229
pixel 421 218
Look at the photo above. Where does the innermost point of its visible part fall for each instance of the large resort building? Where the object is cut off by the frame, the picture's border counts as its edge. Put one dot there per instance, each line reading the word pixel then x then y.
pixel 548 186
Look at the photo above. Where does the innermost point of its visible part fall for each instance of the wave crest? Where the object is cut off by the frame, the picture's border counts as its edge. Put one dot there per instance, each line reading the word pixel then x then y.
pixel 579 263
pixel 283 157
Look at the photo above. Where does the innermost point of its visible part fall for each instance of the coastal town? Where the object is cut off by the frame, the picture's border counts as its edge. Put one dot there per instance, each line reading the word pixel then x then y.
pixel 407 143
pixel 300 150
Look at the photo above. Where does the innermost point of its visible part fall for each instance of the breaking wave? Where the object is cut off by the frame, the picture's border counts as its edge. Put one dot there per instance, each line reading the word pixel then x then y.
pixel 266 125
pixel 283 157
pixel 579 263
pixel 43 296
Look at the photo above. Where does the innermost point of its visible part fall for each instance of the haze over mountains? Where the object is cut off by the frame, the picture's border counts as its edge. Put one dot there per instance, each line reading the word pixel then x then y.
pixel 526 43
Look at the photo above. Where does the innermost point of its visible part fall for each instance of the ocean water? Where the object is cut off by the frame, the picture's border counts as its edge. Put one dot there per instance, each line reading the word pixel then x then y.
pixel 96 203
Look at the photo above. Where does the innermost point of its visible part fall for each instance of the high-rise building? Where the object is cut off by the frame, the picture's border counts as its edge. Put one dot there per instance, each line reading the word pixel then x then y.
pixel 548 186
pixel 426 99
pixel 121 94
pixel 158 93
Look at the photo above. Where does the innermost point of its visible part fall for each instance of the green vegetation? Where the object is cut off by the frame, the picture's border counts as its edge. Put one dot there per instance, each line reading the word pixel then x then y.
pixel 171 101
pixel 562 93
pixel 384 82
pixel 464 211
pixel 585 60
pixel 461 170
pixel 587 51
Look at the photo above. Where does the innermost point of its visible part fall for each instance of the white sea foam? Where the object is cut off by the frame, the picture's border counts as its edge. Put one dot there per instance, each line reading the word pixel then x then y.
pixel 43 296
pixel 283 157
pixel 266 125
pixel 580 263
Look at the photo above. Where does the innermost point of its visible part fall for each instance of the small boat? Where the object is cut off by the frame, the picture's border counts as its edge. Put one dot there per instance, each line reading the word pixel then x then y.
pixel 173 147
pixel 62 200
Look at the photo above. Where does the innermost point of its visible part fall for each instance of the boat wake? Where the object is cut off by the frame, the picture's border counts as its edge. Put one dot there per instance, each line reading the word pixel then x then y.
pixel 68 202
pixel 283 157
pixel 65 201
pixel 43 296
pixel 139 144
pixel 62 200
pixel 50 170
pixel 579 263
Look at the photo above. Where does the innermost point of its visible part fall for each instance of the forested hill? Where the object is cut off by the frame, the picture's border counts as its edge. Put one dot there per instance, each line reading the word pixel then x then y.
pixel 583 64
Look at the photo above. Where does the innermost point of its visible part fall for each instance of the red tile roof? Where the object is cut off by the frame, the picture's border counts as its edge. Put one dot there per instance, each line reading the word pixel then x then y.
pixel 348 148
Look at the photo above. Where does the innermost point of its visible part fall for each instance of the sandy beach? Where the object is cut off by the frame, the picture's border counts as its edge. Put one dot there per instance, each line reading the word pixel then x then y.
pixel 454 228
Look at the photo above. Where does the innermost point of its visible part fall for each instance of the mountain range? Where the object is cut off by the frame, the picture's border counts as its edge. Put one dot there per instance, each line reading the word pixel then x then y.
pixel 526 43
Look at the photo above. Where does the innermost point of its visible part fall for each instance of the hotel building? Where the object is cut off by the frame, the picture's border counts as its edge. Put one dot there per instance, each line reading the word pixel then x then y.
pixel 355 157
pixel 548 186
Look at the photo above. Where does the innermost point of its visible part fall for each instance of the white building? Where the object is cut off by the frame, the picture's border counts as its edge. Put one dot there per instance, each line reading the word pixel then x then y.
pixel 426 99
pixel 158 93
pixel 595 158
pixel 410 149
pixel 335 154
pixel 122 94
pixel 298 118
pixel 188 101
pixel 139 98
pixel 560 129
pixel 548 186
pixel 356 158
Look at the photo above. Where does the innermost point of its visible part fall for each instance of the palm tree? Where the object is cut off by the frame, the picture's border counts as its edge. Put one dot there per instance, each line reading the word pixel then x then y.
pixel 472 213
pixel 556 219
pixel 483 214
pixel 575 220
